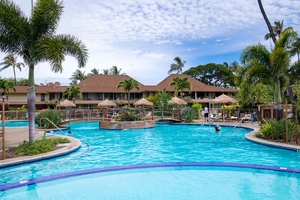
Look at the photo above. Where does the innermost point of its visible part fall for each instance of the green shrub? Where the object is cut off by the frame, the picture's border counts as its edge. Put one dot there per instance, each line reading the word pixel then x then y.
pixel 276 130
pixel 39 146
pixel 127 115
pixel 189 114
pixel 54 116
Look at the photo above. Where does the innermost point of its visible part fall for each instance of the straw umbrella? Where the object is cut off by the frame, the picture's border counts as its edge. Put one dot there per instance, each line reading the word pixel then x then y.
pixel 144 102
pixel 178 101
pixel 225 99
pixel 66 104
pixel 105 104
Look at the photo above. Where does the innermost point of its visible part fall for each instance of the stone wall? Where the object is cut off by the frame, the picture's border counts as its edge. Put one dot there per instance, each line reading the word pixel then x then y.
pixel 127 124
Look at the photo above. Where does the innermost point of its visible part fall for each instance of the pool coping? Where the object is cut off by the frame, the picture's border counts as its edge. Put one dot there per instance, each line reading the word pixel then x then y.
pixel 64 149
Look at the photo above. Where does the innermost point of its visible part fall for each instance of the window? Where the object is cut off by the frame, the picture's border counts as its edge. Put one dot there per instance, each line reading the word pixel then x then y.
pixel 43 97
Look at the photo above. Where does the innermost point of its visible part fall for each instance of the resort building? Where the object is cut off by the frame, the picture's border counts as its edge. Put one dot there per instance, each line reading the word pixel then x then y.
pixel 96 88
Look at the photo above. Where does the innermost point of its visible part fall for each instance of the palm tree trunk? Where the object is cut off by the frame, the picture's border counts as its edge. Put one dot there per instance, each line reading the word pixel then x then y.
pixel 15 75
pixel 267 21
pixel 278 99
pixel 31 103
pixel 128 97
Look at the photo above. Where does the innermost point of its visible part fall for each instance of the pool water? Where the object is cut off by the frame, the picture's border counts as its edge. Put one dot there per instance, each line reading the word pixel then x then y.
pixel 162 144
pixel 15 124
pixel 167 183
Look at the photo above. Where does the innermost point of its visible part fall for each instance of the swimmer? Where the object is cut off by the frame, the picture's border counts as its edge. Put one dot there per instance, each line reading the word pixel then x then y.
pixel 217 128
pixel 69 132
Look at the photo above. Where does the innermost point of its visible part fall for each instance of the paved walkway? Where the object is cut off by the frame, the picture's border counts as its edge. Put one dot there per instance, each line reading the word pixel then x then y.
pixel 15 136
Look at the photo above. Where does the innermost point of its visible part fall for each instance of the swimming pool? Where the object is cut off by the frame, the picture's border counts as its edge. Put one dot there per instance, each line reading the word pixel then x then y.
pixel 162 144
pixel 16 124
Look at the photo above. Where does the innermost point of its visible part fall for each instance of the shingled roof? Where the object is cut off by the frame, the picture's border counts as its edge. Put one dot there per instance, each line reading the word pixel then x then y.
pixel 105 83
pixel 197 86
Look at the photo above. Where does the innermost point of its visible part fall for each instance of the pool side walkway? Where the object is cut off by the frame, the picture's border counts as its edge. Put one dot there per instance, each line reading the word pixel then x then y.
pixel 15 136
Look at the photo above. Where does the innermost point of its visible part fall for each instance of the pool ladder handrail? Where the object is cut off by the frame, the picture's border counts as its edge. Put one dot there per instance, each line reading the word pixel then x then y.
pixel 51 123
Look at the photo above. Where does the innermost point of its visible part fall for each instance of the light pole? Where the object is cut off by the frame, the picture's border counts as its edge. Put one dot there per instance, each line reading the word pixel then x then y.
pixel 296 116
pixel 3 96
pixel 286 118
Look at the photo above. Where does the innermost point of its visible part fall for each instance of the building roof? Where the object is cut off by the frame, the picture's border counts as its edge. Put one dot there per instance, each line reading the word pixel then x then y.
pixel 105 84
pixel 197 86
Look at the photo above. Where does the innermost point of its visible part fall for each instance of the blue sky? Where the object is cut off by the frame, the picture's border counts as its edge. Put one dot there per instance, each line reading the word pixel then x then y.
pixel 142 37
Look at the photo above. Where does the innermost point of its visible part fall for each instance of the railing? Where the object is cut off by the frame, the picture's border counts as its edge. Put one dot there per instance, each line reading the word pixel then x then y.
pixel 50 122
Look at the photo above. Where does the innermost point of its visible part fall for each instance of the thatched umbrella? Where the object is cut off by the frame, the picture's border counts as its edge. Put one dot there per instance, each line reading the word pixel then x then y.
pixel 178 101
pixel 145 102
pixel 105 104
pixel 225 99
pixel 66 104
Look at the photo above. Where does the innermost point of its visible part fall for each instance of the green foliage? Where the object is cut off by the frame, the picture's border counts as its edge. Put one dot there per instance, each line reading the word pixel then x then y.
pixel 189 114
pixel 24 107
pixel 52 115
pixel 180 84
pixel 197 106
pixel 72 92
pixel 276 130
pixel 213 74
pixel 39 146
pixel 127 115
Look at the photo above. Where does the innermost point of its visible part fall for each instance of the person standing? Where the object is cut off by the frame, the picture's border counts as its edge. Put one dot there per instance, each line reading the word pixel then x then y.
pixel 205 114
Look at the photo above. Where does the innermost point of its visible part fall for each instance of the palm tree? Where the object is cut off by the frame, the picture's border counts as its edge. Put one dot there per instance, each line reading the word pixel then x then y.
pixel 272 35
pixel 78 75
pixel 164 98
pixel 93 71
pixel 33 38
pixel 11 61
pixel 105 71
pixel 270 64
pixel 234 67
pixel 127 85
pixel 177 66
pixel 180 84
pixel 277 30
pixel 115 71
pixel 6 85
pixel 72 92
pixel 295 49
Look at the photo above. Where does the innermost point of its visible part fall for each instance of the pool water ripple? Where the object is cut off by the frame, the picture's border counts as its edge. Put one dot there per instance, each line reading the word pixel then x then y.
pixel 162 144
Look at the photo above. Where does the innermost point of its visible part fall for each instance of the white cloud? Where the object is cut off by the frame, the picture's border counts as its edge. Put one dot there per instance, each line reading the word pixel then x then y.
pixel 144 36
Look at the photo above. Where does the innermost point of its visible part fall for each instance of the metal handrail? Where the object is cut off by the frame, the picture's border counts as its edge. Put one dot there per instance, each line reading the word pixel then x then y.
pixel 50 122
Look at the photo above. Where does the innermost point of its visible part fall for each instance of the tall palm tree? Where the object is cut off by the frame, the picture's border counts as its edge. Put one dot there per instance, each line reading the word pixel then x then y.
pixel 164 98
pixel 273 64
pixel 127 85
pixel 78 75
pixel 262 10
pixel 177 66
pixel 72 92
pixel 277 30
pixel 234 67
pixel 115 71
pixel 11 61
pixel 33 38
pixel 180 84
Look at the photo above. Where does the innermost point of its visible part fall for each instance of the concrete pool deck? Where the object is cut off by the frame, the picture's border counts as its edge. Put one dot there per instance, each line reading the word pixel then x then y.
pixel 15 136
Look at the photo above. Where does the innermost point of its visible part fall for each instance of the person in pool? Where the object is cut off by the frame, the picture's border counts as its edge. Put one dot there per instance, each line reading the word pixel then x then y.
pixel 217 128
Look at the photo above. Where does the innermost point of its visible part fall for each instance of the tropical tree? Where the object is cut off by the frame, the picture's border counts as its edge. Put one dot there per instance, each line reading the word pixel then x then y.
pixel 77 76
pixel 11 61
pixel 72 92
pixel 295 49
pixel 164 98
pixel 105 71
pixel 6 85
pixel 271 32
pixel 177 66
pixel 94 71
pixel 213 74
pixel 274 64
pixel 33 38
pixel 115 71
pixel 180 84
pixel 127 85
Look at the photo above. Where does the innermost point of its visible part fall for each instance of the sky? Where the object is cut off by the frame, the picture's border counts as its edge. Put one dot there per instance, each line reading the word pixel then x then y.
pixel 142 37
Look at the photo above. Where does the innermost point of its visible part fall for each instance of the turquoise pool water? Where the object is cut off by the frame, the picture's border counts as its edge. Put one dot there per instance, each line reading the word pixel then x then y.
pixel 162 144
pixel 15 124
